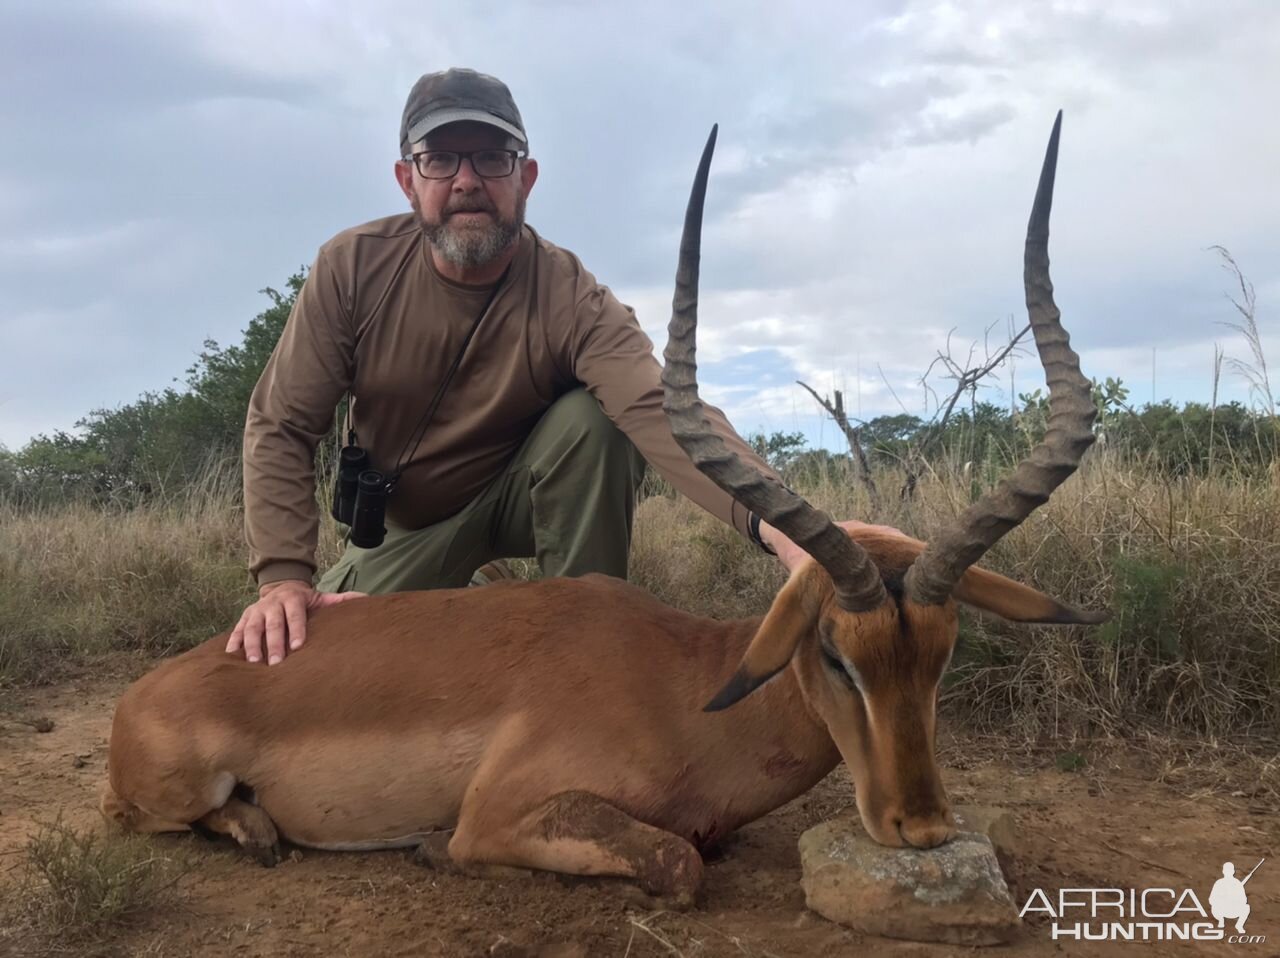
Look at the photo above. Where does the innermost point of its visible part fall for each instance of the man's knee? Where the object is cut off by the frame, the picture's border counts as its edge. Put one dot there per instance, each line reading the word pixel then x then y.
pixel 577 413
pixel 576 441
pixel 576 419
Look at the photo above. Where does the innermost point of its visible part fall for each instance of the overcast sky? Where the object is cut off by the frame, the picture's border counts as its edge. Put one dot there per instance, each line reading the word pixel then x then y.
pixel 161 162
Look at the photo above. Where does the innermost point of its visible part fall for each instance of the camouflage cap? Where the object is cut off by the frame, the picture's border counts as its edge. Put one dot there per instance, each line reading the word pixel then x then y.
pixel 455 95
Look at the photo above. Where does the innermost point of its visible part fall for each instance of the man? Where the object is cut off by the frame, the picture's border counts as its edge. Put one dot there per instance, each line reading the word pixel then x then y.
pixel 537 444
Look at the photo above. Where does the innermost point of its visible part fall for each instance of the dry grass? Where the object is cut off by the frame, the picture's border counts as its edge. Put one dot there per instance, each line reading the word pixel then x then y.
pixel 76 582
pixel 1190 570
pixel 691 561
pixel 77 887
pixel 1189 567
pixel 684 936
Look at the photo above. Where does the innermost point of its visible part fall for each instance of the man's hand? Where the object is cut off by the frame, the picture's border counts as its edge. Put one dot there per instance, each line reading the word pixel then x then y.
pixel 791 555
pixel 280 616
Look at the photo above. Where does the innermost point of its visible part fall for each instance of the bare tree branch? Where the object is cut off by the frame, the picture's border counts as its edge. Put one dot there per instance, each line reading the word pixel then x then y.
pixel 851 434
pixel 967 377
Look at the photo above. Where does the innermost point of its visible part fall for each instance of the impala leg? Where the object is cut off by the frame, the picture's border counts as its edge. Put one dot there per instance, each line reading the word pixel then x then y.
pixel 250 826
pixel 130 817
pixel 577 833
pixel 434 853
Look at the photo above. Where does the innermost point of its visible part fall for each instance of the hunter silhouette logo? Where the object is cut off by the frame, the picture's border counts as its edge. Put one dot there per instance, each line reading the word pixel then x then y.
pixel 1228 899
pixel 1149 914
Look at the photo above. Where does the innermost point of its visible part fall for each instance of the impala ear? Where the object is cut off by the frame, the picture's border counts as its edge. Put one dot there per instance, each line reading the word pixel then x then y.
pixel 794 614
pixel 992 592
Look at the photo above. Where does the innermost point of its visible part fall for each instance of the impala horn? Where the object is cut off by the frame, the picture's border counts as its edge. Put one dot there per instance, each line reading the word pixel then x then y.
pixel 935 573
pixel 858 586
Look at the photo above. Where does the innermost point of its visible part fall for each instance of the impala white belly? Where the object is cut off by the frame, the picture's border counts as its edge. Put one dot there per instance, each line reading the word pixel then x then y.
pixel 404 841
pixel 370 789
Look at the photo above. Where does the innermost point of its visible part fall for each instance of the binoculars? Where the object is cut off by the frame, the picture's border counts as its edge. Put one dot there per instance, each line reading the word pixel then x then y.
pixel 360 498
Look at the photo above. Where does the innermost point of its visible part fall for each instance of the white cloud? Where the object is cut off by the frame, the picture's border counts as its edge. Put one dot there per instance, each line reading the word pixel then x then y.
pixel 875 169
pixel 57 247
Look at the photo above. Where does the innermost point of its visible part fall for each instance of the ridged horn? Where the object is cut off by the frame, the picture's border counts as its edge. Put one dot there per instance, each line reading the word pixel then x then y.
pixel 857 580
pixel 934 575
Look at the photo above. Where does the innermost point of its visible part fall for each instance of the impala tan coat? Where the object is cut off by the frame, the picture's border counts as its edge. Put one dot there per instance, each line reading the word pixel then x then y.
pixel 508 717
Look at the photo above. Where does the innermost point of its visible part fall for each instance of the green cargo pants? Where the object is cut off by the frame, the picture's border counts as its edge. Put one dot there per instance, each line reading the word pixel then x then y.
pixel 567 498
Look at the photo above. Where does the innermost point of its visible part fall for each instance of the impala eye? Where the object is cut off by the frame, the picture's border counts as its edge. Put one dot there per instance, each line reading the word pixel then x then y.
pixel 836 665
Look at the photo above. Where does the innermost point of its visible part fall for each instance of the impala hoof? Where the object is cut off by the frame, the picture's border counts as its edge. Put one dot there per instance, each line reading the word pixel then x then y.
pixel 674 875
pixel 268 856
pixel 642 900
pixel 433 852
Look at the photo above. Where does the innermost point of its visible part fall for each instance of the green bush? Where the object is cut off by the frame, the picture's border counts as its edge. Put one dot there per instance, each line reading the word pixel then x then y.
pixel 76 884
pixel 1143 616
pixel 162 443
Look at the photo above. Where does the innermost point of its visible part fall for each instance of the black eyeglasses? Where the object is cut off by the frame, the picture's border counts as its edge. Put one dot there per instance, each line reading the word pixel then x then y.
pixel 444 164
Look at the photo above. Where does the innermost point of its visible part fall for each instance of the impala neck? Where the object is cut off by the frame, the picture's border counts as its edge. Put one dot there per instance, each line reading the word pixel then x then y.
pixel 782 747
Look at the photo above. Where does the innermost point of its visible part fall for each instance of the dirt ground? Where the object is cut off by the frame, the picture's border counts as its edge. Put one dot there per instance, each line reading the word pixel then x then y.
pixel 1109 826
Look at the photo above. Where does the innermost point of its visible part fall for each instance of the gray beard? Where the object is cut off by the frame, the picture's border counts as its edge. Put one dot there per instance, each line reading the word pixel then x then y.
pixel 469 247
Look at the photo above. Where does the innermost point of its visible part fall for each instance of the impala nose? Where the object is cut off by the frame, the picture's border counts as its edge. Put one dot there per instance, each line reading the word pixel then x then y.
pixel 927 831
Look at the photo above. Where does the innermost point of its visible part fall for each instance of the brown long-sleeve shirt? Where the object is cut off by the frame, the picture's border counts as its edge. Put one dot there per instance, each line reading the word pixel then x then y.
pixel 375 317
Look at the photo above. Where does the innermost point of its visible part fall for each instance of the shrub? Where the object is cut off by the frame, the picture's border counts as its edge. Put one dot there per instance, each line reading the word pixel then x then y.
pixel 77 884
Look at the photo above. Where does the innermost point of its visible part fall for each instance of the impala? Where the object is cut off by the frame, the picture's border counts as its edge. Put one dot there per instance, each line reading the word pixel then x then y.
pixel 561 725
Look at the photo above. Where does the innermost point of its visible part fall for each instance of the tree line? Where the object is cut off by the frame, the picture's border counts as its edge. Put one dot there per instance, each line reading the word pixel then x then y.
pixel 166 442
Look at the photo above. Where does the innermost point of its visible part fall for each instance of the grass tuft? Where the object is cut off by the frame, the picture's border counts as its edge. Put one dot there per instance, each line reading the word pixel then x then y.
pixel 77 884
